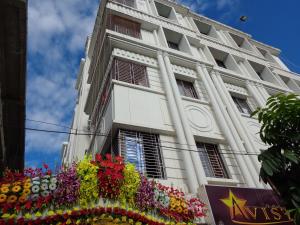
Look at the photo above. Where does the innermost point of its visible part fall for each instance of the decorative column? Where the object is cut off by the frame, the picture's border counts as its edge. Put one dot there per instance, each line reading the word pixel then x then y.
pixel 236 119
pixel 263 92
pixel 248 172
pixel 190 172
pixel 186 127
pixel 255 93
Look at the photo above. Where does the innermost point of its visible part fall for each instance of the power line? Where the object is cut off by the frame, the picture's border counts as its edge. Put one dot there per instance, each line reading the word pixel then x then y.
pixel 44 122
pixel 169 147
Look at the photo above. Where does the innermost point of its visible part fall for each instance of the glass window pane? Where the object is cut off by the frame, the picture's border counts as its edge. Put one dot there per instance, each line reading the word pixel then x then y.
pixel 134 153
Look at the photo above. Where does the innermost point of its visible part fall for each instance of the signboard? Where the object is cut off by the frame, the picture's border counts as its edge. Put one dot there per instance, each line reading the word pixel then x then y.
pixel 231 206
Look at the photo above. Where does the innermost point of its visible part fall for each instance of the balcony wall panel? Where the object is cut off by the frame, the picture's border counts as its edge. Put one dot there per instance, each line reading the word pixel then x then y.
pixel 142 108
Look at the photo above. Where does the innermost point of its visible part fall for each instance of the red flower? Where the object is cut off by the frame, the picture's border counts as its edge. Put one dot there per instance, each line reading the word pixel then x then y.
pixel 28 205
pixel 10 222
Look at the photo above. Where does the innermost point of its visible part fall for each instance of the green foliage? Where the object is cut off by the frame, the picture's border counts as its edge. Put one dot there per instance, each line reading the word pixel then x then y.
pixel 280 130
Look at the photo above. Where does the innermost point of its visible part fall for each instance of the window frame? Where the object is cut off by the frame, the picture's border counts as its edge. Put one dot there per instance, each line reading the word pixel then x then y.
pixel 187 89
pixel 206 159
pixel 241 104
pixel 124 26
pixel 151 161
pixel 133 76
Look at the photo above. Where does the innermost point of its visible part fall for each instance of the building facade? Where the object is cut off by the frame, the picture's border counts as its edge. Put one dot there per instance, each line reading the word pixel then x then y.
pixel 13 48
pixel 172 92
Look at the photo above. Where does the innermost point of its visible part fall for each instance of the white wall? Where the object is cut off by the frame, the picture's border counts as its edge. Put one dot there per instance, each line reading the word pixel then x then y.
pixel 141 108
pixel 148 36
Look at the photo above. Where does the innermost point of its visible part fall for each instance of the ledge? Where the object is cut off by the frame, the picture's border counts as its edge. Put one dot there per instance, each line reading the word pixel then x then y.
pixel 222 181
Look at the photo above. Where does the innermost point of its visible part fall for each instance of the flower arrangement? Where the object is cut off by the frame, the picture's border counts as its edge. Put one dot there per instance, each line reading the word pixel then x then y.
pixel 78 194
pixel 67 191
pixel 144 199
pixel 87 173
pixel 110 175
pixel 130 185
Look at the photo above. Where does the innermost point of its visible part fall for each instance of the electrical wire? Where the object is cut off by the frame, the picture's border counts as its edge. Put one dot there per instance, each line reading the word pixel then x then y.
pixel 164 146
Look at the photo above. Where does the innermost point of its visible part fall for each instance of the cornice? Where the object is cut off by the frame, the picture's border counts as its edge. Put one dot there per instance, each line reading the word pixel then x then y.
pixel 135 57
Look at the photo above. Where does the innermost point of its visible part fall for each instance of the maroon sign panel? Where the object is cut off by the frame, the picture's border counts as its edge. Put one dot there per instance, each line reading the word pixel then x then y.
pixel 231 206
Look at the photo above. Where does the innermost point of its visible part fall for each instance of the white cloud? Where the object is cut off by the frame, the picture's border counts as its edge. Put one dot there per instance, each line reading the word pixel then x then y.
pixel 216 6
pixel 57 31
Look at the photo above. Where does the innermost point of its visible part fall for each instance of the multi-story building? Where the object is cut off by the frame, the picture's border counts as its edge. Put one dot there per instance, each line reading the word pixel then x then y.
pixel 172 92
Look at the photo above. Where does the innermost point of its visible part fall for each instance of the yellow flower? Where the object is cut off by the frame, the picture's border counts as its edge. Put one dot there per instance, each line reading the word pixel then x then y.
pixel 26 191
pixel 28 216
pixel 5 215
pixel 38 214
pixel 17 183
pixel 124 219
pixel 4 189
pixel 27 185
pixel 12 199
pixel 3 198
pixel 16 189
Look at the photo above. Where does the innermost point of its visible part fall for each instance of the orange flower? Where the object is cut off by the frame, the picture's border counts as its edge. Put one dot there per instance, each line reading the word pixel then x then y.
pixel 2 198
pixel 12 199
pixel 4 189
pixel 179 209
pixel 22 198
pixel 16 188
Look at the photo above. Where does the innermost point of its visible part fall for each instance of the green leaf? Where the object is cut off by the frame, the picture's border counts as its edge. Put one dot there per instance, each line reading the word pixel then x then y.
pixel 267 168
pixel 291 156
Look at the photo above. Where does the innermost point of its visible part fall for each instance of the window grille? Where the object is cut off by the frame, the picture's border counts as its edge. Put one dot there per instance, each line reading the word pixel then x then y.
pixel 220 63
pixel 129 3
pixel 173 45
pixel 186 89
pixel 211 160
pixel 130 72
pixel 242 105
pixel 124 26
pixel 143 150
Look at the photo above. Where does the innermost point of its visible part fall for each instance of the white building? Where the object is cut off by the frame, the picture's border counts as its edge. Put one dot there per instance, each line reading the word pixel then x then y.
pixel 171 91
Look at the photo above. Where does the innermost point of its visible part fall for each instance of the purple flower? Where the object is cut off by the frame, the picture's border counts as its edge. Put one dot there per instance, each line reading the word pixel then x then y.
pixel 68 184
pixel 145 194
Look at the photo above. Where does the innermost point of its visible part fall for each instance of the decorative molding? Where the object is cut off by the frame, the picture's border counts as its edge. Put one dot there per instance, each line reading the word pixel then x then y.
pixel 135 57
pixel 183 70
pixel 236 89
pixel 199 118
pixel 152 19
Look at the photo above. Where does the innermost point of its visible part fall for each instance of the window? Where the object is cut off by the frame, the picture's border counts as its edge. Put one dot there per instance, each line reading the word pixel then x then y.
pixel 203 27
pixel 143 150
pixel 220 63
pixel 163 10
pixel 124 26
pixel 175 40
pixel 173 45
pixel 129 3
pixel 129 72
pixel 186 89
pixel 211 160
pixel 242 105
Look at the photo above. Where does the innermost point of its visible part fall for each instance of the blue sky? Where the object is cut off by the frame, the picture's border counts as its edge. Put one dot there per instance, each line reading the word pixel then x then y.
pixel 57 32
